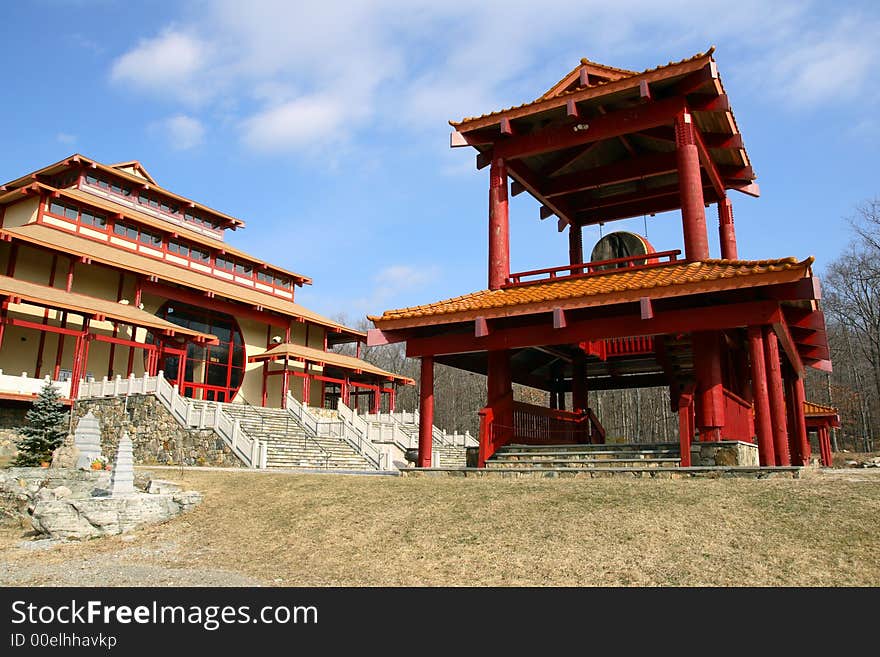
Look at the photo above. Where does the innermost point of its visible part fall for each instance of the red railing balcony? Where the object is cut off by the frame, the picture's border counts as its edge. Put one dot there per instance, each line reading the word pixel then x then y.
pixel 596 268
pixel 517 422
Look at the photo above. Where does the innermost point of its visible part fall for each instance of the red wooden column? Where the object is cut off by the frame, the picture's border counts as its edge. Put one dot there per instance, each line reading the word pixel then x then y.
pixel 392 398
pixel 710 389
pixel 307 386
pixel 777 397
pixel 499 394
pixel 377 399
pixel 693 211
pixel 763 426
pixel 797 401
pixel 794 445
pixel 825 446
pixel 426 411
pixel 726 232
pixel 80 356
pixel 285 382
pixel 579 382
pixel 499 226
pixel 575 247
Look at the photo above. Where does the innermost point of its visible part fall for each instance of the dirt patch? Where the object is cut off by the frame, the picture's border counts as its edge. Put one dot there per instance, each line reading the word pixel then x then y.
pixel 316 530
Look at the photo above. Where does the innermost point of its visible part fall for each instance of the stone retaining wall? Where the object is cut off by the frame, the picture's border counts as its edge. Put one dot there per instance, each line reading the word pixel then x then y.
pixel 158 438
pixel 725 453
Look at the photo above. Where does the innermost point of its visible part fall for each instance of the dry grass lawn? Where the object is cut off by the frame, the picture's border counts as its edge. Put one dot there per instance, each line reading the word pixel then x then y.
pixel 316 530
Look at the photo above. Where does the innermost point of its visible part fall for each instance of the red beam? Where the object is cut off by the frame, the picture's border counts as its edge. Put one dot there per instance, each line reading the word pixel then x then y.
pixel 542 331
pixel 527 178
pixel 613 124
pixel 612 174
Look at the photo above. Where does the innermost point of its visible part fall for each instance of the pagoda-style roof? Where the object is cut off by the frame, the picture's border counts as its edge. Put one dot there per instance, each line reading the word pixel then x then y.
pixel 97 202
pixel 812 409
pixel 676 278
pixel 50 297
pixel 305 354
pixel 138 176
pixel 600 144
pixel 52 238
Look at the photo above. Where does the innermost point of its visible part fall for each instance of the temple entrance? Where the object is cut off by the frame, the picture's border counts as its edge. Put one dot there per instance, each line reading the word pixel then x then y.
pixel 211 373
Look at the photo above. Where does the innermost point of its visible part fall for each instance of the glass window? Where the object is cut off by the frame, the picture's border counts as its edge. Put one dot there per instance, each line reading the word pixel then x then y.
pixel 264 277
pixel 90 219
pixel 282 282
pixel 119 229
pixel 56 208
pixel 242 268
pixel 177 247
pixel 71 213
pixel 198 254
pixel 91 180
pixel 223 263
pixel 151 239
pixel 143 199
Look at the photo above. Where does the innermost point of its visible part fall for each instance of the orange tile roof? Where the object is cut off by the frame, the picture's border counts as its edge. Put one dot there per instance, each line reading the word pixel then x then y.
pixel 332 358
pixel 544 99
pixel 812 408
pixel 616 286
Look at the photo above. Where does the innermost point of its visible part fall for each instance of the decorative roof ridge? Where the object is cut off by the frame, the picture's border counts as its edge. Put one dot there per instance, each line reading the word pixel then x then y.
pixel 563 94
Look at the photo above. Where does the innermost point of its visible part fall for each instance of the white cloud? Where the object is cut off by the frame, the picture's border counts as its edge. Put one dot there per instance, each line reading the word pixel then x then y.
pixel 295 124
pixel 296 74
pixel 168 62
pixel 826 64
pixel 183 132
pixel 65 138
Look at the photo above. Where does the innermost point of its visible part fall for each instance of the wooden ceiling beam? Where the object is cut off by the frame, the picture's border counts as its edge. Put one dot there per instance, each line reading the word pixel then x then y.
pixel 618 172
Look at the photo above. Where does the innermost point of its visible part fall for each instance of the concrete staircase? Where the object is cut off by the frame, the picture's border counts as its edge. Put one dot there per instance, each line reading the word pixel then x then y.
pixel 569 457
pixel 289 445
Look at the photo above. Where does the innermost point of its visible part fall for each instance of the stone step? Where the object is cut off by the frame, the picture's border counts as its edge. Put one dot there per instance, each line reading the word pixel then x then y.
pixel 587 454
pixel 517 447
pixel 566 463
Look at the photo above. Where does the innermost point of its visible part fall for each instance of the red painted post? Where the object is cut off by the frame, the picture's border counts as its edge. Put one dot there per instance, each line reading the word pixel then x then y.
pixel 726 231
pixel 693 211
pixel 575 247
pixel 426 411
pixel 801 421
pixel 763 426
pixel 307 387
pixel 709 397
pixel 685 426
pixel 377 399
pixel 285 382
pixel 777 397
pixel 579 382
pixel 499 226
pixel 499 392
pixel 392 398
pixel 824 446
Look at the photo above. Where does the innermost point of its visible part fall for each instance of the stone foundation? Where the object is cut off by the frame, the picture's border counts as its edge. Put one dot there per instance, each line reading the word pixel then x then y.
pixel 729 453
pixel 157 438
pixel 714 472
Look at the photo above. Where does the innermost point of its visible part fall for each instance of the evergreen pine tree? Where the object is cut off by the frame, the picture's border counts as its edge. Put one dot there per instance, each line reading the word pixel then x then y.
pixel 45 429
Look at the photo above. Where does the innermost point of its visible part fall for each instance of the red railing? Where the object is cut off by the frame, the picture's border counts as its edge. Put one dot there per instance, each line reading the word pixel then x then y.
pixel 739 421
pixel 603 349
pixel 509 421
pixel 584 269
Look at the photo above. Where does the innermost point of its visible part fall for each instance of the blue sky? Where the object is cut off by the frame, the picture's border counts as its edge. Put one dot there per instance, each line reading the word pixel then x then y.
pixel 324 125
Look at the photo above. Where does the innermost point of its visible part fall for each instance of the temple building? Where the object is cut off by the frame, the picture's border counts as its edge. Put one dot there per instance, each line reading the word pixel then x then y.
pixel 730 338
pixel 105 273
